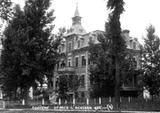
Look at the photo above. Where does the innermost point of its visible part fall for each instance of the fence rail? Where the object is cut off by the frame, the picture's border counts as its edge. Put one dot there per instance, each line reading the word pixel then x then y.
pixel 128 103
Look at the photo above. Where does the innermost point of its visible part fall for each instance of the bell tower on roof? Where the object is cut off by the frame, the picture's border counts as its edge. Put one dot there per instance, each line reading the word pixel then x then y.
pixel 77 18
pixel 76 27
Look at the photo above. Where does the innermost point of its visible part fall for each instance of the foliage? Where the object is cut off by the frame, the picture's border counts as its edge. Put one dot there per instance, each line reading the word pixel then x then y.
pixel 151 61
pixel 111 63
pixel 5 9
pixel 117 42
pixel 101 70
pixel 66 84
pixel 29 51
pixel 10 58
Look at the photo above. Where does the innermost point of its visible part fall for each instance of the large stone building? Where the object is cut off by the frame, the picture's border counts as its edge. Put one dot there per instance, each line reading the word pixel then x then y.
pixel 75 55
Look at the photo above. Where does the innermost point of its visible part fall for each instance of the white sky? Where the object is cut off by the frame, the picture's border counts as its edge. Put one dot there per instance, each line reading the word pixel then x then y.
pixel 137 16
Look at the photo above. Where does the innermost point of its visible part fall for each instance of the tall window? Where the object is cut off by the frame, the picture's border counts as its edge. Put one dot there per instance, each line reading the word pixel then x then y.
pixel 62 64
pixel 89 61
pixel 83 61
pixel 79 43
pixel 82 81
pixel 69 46
pixel 69 62
pixel 62 48
pixel 76 61
pixel 130 43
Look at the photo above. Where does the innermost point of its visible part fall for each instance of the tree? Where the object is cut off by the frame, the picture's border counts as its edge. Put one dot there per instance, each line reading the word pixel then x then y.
pixel 29 45
pixel 151 61
pixel 10 57
pixel 5 9
pixel 101 68
pixel 67 83
pixel 117 42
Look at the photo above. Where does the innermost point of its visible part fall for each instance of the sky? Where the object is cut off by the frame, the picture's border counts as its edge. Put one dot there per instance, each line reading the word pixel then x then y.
pixel 137 16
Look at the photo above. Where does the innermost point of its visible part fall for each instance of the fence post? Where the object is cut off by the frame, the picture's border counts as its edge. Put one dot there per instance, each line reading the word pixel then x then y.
pixel 23 102
pixel 129 99
pixel 94 100
pixel 87 101
pixel 65 102
pixel 100 101
pixel 74 101
pixel 3 104
pixel 110 99
pixel 120 99
pixel 42 101
pixel 59 102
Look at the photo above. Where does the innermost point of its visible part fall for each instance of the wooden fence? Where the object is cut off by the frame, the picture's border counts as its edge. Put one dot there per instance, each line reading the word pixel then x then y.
pixel 127 103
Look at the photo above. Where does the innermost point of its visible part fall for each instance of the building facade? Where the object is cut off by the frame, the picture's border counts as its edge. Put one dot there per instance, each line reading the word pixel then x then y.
pixel 74 59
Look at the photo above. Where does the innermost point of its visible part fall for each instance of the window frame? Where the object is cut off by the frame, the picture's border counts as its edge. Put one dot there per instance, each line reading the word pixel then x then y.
pixel 76 61
pixel 83 63
pixel 70 46
pixel 69 62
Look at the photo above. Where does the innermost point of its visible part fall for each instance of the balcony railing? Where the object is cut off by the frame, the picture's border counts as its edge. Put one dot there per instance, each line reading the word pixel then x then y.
pixel 71 69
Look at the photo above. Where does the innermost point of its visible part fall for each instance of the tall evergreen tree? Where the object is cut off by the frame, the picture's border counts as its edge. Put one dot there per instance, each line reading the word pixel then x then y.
pixel 151 61
pixel 29 45
pixel 117 42
pixel 101 68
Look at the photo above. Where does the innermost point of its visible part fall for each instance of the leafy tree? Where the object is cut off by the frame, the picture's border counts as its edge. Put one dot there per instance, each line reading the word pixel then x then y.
pixel 117 42
pixel 30 52
pixel 151 61
pixel 10 58
pixel 101 69
pixel 5 9
pixel 67 83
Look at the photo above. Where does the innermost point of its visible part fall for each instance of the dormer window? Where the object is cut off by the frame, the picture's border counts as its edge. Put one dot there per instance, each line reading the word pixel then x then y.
pixel 90 39
pixel 81 30
pixel 71 30
pixel 82 43
pixel 130 43
pixel 134 45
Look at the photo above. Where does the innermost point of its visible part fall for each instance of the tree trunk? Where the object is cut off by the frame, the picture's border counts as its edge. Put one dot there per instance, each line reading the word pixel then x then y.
pixel 25 95
pixel 117 84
